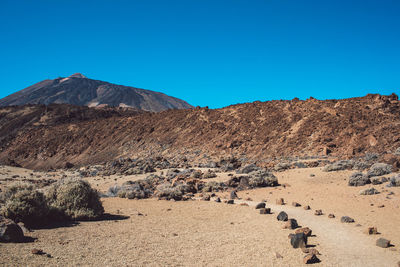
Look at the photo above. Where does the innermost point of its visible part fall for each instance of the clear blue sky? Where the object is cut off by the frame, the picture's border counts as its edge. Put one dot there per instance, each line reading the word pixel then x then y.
pixel 209 53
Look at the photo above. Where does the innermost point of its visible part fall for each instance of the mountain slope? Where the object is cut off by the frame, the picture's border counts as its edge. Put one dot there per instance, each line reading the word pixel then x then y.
pixel 259 131
pixel 79 90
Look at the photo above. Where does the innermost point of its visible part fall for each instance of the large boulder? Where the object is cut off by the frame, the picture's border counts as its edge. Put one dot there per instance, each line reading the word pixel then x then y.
pixel 358 179
pixel 379 169
pixel 10 231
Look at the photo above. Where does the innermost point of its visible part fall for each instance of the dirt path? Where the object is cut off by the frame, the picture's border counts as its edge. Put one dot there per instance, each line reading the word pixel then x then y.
pixel 341 244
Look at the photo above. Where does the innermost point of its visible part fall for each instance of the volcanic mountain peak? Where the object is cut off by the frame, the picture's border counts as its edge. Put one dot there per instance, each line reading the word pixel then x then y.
pixel 77 89
pixel 77 75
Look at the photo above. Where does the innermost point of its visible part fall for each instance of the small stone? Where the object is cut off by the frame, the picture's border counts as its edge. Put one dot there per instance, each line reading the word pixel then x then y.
pixel 331 215
pixel 260 205
pixel 230 201
pixel 233 195
pixel 282 216
pixel 383 243
pixel 371 231
pixel 347 219
pixel 298 240
pixel 280 201
pixel 310 251
pixel 381 206
pixel 307 207
pixel 206 198
pixel 244 204
pixel 310 259
pixel 318 212
pixel 278 256
pixel 36 251
pixel 305 230
pixel 218 200
pixel 295 204
pixel 265 211
pixel 290 224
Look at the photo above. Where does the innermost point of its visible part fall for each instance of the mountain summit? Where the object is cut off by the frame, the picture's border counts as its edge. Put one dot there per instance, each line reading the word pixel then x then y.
pixel 79 90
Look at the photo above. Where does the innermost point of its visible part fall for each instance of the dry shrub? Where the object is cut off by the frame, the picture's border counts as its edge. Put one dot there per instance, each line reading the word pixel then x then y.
pixel 74 199
pixel 21 202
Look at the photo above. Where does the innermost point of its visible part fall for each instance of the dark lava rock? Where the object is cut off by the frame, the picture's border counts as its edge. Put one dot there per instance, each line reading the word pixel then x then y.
pixel 265 211
pixel 298 240
pixel 311 259
pixel 10 231
pixel 346 219
pixel 282 216
pixel 383 243
pixel 260 205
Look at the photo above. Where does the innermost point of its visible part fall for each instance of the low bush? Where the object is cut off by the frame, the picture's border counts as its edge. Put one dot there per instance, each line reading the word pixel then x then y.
pixel 74 199
pixel 21 202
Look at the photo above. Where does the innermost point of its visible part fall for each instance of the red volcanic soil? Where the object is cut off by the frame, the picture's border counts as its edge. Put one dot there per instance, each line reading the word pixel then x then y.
pixel 36 136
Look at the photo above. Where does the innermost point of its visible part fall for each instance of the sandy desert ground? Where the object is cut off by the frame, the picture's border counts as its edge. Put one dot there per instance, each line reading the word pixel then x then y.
pixel 155 232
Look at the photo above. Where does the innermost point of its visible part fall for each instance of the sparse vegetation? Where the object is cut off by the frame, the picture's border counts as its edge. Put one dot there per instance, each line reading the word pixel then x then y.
pixel 21 202
pixel 74 199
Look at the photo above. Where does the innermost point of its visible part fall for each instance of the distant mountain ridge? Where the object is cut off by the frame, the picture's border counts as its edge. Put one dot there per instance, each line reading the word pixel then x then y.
pixel 79 90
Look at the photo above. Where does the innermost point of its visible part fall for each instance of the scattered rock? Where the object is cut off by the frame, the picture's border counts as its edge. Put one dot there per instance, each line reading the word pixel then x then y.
pixel 310 251
pixel 282 216
pixel 371 231
pixel 383 243
pixel 230 201
pixel 244 204
pixel 36 251
pixel 280 201
pixel 278 256
pixel 265 211
pixel 305 230
pixel 381 206
pixel 369 191
pixel 206 198
pixel 346 219
pixel 318 212
pixel 10 231
pixel 331 215
pixel 295 204
pixel 307 207
pixel 218 200
pixel 298 240
pixel 260 205
pixel 290 224
pixel 233 195
pixel 310 259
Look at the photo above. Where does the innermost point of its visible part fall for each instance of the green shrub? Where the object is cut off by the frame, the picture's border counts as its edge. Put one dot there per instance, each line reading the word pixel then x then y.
pixel 74 199
pixel 21 202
